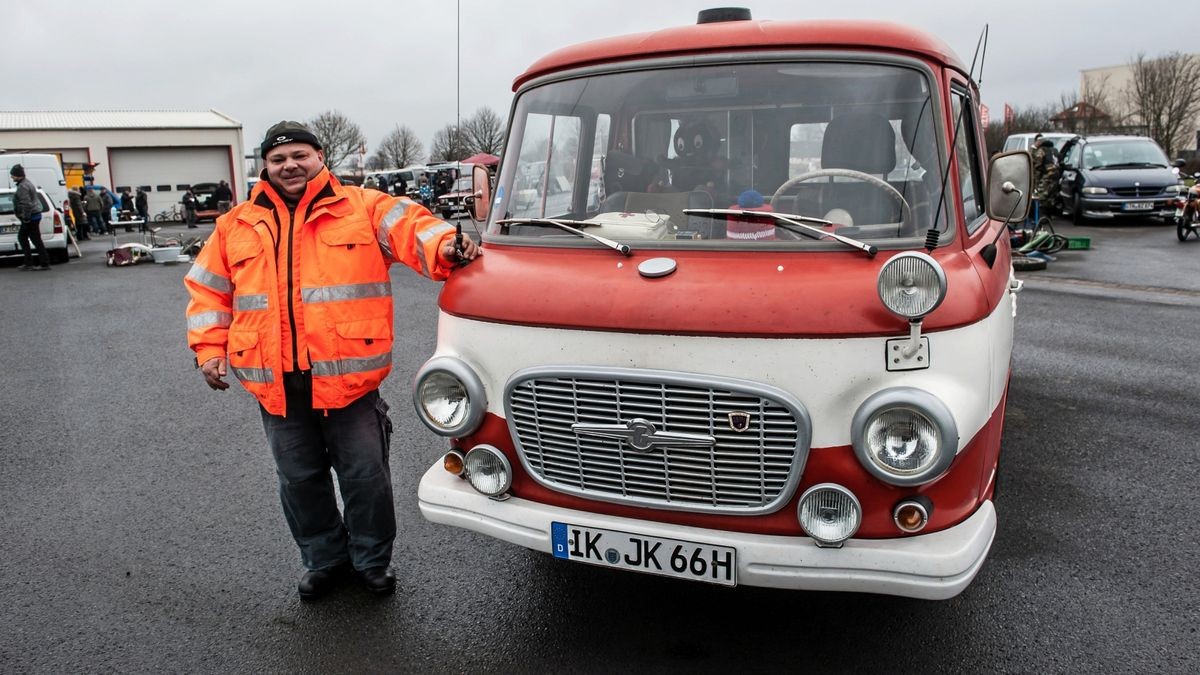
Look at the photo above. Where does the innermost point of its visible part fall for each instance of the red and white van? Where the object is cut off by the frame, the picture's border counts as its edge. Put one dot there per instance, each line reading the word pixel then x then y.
pixel 753 323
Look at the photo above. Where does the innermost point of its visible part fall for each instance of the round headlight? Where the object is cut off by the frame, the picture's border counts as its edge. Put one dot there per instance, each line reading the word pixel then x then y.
pixel 488 470
pixel 829 513
pixel 912 284
pixel 449 397
pixel 904 436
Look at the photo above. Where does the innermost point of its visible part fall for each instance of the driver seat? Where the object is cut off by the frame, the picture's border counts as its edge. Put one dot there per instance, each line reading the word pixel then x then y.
pixel 861 141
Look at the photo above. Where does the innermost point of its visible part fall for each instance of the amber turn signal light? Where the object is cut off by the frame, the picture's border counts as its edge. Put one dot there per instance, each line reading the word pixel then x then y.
pixel 911 515
pixel 453 462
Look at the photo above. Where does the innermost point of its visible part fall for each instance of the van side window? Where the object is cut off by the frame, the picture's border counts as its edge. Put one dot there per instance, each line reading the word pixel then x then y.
pixel 966 156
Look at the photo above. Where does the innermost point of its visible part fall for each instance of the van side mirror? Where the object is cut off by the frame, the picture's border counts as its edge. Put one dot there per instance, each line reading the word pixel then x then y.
pixel 480 201
pixel 1010 179
pixel 1179 163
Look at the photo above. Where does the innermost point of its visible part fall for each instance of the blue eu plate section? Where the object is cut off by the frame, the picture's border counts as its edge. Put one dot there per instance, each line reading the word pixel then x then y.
pixel 558 539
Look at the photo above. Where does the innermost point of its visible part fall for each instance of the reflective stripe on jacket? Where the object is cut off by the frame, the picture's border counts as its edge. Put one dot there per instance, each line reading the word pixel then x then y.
pixel 335 265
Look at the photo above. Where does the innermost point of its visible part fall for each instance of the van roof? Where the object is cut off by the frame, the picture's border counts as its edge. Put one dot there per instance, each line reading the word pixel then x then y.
pixel 745 36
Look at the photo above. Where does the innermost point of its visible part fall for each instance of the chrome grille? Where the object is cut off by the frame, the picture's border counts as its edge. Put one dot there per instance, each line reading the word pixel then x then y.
pixel 752 471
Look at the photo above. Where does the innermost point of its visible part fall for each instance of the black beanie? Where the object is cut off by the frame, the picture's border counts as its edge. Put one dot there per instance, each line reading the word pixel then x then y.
pixel 17 170
pixel 287 132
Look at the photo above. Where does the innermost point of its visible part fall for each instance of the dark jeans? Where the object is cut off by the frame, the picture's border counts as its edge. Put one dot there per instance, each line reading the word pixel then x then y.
pixel 144 215
pixel 31 232
pixel 354 441
pixel 95 222
pixel 189 216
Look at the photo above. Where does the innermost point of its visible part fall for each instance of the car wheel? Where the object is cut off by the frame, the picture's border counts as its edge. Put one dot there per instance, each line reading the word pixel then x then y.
pixel 1022 264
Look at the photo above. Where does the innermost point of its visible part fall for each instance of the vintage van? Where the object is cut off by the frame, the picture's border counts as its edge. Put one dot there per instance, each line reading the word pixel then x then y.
pixel 734 337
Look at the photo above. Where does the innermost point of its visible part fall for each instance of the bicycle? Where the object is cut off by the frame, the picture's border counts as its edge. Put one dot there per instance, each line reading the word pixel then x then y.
pixel 174 214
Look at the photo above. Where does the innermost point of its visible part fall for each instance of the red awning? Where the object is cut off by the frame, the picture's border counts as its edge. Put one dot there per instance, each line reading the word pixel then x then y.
pixel 482 158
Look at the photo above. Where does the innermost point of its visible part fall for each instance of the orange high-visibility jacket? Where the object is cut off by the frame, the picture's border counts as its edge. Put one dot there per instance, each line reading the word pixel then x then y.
pixel 316 296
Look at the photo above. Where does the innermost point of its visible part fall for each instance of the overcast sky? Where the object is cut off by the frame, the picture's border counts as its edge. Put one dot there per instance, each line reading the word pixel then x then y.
pixel 387 62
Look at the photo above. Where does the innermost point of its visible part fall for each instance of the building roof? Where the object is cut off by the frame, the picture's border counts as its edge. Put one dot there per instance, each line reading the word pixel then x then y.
pixel 37 120
pixel 1080 111
pixel 746 35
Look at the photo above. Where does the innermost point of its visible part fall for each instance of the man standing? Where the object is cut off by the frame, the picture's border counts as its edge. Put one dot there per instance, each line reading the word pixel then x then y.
pixel 291 294
pixel 92 204
pixel 106 201
pixel 77 214
pixel 27 206
pixel 223 196
pixel 141 201
pixel 189 208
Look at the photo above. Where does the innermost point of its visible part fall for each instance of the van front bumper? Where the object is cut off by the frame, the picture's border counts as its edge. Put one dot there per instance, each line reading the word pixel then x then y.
pixel 932 566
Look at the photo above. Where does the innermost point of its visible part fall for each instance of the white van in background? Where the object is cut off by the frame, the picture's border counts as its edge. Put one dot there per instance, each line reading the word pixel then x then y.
pixel 44 170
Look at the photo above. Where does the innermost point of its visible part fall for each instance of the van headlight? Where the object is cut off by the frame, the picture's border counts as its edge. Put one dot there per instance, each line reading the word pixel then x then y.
pixel 488 470
pixel 904 436
pixel 1095 190
pixel 449 397
pixel 912 284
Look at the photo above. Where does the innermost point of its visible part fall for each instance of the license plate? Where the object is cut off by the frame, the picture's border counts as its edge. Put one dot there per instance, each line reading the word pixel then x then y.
pixel 640 553
pixel 9 229
pixel 1139 206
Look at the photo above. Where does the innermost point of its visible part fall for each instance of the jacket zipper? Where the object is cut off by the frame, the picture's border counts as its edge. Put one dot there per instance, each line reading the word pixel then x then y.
pixel 291 301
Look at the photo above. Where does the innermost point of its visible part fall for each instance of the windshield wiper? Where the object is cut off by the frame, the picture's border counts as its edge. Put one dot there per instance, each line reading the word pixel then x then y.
pixel 570 226
pixel 793 223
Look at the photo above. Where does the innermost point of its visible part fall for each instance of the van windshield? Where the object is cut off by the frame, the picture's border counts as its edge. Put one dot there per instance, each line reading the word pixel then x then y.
pixel 628 153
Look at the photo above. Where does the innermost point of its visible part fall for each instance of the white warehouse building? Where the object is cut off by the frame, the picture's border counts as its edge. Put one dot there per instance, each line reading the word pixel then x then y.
pixel 162 152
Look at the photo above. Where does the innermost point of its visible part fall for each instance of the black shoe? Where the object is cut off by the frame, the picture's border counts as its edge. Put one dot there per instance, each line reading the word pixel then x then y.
pixel 316 583
pixel 24 268
pixel 378 580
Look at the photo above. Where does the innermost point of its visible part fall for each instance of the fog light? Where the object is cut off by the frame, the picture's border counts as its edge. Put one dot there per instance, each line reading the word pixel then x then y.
pixel 488 470
pixel 911 515
pixel 830 514
pixel 453 462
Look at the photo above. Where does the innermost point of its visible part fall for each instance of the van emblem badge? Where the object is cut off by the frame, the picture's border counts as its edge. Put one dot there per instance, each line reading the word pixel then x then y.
pixel 739 421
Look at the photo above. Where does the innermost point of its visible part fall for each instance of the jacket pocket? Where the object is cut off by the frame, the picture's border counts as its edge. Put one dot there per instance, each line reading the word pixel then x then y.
pixel 355 234
pixel 246 358
pixel 364 347
pixel 237 251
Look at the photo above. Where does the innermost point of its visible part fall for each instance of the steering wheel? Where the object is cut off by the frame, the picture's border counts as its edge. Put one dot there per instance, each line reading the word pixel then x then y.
pixel 905 223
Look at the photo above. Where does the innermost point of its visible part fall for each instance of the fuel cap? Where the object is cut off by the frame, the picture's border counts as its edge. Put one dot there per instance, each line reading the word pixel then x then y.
pixel 656 267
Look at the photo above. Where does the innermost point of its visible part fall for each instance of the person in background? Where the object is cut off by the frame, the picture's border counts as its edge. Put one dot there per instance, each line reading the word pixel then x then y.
pixel 78 216
pixel 223 195
pixel 425 191
pixel 400 187
pixel 315 351
pixel 106 200
pixel 93 205
pixel 127 209
pixel 142 202
pixel 189 208
pixel 27 206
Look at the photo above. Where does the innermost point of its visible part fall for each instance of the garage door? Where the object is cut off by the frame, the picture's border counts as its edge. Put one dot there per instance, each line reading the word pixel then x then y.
pixel 165 170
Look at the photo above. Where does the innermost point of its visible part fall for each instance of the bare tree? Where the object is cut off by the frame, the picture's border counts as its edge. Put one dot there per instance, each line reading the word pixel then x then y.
pixel 449 145
pixel 1163 96
pixel 340 138
pixel 399 148
pixel 485 132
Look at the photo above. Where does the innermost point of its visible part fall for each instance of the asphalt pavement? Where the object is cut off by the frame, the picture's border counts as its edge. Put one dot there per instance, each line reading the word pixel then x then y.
pixel 142 532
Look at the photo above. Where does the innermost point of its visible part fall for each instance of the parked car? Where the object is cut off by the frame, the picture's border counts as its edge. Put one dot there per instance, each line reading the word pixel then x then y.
pixel 1025 141
pixel 54 230
pixel 206 203
pixel 453 203
pixel 807 392
pixel 1106 177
